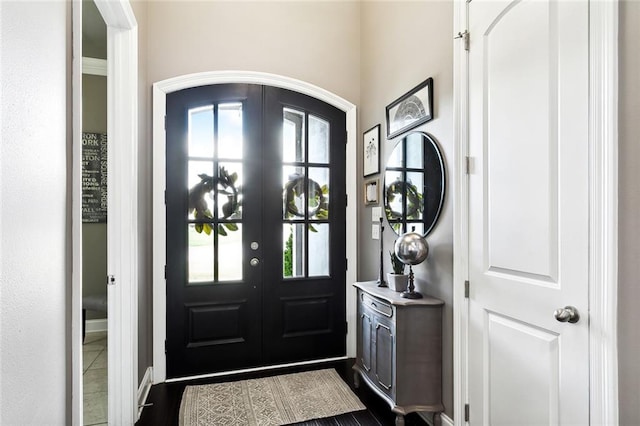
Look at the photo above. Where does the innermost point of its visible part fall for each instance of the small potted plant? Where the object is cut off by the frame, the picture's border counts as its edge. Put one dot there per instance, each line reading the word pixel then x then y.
pixel 398 279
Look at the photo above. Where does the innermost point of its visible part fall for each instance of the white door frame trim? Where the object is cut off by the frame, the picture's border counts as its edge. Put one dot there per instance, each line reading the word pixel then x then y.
pixel 122 225
pixel 160 90
pixel 603 202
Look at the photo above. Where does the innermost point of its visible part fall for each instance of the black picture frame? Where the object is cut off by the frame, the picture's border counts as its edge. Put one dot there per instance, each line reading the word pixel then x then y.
pixel 371 151
pixel 411 109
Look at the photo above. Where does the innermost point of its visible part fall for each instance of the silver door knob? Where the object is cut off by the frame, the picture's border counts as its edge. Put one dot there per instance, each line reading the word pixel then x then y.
pixel 254 261
pixel 567 314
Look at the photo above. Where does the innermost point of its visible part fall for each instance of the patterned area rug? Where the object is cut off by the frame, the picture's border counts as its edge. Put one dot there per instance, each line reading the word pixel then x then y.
pixel 277 400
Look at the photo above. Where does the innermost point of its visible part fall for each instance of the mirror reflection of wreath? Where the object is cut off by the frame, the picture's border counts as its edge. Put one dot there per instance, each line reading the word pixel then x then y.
pixel 225 184
pixel 415 205
pixel 317 199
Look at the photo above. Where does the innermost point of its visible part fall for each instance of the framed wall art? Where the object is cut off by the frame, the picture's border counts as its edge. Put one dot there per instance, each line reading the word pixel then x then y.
pixel 371 151
pixel 411 109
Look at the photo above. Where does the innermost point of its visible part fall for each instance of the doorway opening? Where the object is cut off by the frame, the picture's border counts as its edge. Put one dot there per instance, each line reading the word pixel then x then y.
pixel 122 227
pixel 94 215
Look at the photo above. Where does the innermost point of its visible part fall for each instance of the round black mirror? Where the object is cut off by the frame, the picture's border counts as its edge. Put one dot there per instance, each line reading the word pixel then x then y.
pixel 414 184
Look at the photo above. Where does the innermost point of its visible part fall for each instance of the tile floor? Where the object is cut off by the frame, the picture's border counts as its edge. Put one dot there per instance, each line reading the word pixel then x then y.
pixel 94 360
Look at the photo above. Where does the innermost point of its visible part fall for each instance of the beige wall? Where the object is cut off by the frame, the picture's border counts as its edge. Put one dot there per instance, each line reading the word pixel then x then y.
pixel 403 43
pixel 629 218
pixel 317 42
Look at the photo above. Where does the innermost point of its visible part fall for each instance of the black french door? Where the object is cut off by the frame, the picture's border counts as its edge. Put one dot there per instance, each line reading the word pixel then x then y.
pixel 255 228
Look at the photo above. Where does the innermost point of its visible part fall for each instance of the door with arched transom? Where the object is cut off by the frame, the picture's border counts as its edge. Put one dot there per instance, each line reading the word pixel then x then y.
pixel 255 204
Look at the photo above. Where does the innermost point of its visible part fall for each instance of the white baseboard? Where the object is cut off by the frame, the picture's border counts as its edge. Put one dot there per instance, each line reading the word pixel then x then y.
pixel 446 421
pixel 143 390
pixel 96 325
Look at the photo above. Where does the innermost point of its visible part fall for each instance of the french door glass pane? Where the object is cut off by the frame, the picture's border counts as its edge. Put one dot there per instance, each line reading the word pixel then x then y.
pixel 293 236
pixel 230 141
pixel 293 136
pixel 318 249
pixel 230 252
pixel 229 191
pixel 305 181
pixel 294 192
pixel 200 264
pixel 201 132
pixel 200 184
pixel 318 140
pixel 318 193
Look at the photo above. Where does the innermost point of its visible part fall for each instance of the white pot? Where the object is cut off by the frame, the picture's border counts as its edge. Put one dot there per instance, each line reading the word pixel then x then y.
pixel 397 282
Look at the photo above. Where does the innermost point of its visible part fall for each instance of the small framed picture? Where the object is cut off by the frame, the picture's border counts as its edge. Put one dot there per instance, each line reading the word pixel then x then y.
pixel 371 192
pixel 371 151
pixel 411 109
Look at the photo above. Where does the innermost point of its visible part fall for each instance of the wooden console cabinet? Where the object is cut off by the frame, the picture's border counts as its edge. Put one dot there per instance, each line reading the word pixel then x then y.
pixel 399 350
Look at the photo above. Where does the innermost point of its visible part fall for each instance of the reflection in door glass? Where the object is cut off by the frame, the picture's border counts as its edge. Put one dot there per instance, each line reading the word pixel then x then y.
pixel 200 264
pixel 293 250
pixel 201 132
pixel 318 249
pixel 415 155
pixel 230 142
pixel 293 136
pixel 318 140
pixel 413 194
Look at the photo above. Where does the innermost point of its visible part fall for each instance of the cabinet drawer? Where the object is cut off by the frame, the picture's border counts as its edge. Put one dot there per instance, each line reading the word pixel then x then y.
pixel 377 305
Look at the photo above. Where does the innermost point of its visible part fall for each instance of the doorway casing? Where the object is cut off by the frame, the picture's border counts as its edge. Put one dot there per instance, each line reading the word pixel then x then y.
pixel 160 90
pixel 122 225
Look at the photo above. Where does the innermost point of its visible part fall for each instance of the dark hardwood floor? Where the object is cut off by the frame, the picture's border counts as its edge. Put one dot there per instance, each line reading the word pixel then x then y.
pixel 165 399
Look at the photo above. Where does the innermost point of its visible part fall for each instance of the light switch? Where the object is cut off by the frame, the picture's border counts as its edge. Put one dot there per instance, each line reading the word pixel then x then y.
pixel 375 232
pixel 376 214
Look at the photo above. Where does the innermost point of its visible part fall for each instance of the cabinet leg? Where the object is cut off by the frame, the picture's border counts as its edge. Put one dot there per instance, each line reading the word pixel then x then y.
pixel 356 380
pixel 399 420
pixel 437 420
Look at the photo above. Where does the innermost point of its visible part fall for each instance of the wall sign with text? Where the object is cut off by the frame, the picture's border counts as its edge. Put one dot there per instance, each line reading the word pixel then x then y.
pixel 94 177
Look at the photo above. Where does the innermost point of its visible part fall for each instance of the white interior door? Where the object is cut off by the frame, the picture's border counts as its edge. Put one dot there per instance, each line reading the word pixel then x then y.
pixel 528 230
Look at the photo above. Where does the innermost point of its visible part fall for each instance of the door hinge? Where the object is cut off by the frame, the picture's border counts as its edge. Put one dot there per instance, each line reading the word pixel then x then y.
pixel 165 346
pixel 346 327
pixel 346 200
pixel 466 412
pixel 111 280
pixel 466 289
pixel 467 165
pixel 346 264
pixel 465 37
pixel 165 197
pixel 165 272
pixel 165 122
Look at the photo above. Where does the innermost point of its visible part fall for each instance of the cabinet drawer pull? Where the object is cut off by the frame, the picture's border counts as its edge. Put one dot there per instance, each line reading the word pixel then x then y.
pixel 383 309
pixel 377 305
